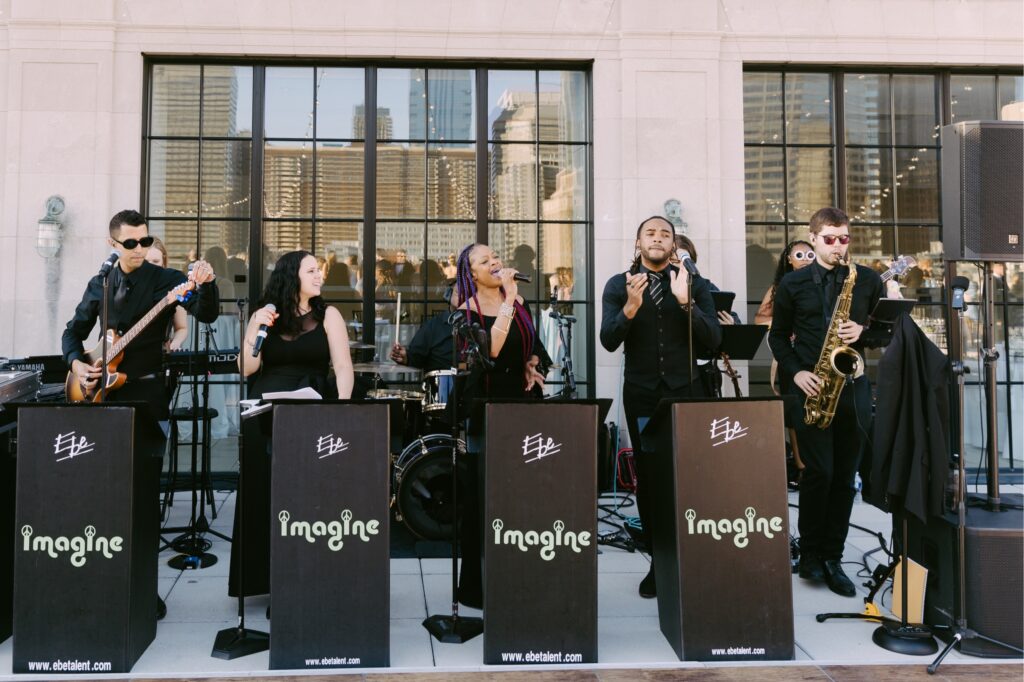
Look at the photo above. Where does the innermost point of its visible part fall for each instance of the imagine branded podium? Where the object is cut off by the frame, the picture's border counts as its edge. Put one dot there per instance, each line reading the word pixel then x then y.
pixel 540 531
pixel 329 542
pixel 721 529
pixel 86 532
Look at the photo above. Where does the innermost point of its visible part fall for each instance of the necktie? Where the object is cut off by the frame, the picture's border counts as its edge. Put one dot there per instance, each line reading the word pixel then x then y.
pixel 830 293
pixel 117 311
pixel 656 288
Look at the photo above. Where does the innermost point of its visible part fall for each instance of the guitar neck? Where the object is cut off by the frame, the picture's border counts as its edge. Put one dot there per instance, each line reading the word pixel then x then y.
pixel 136 329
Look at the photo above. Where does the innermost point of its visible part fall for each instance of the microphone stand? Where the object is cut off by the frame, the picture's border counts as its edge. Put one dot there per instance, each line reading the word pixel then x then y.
pixel 565 323
pixel 104 321
pixel 239 641
pixel 689 325
pixel 456 629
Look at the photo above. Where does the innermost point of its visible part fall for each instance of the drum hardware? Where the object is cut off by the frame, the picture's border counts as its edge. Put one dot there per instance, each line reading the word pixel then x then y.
pixel 359 345
pixel 437 387
pixel 376 367
pixel 421 487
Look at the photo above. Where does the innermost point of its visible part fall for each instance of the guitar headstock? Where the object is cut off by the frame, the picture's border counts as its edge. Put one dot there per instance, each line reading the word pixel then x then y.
pixel 902 264
pixel 181 293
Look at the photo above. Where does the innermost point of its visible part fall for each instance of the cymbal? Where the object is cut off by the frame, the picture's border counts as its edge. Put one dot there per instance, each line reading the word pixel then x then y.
pixel 359 345
pixel 382 368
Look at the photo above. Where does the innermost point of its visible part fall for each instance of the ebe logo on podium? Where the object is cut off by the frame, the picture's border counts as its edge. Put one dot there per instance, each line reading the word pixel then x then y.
pixel 329 501
pixel 540 572
pixel 722 546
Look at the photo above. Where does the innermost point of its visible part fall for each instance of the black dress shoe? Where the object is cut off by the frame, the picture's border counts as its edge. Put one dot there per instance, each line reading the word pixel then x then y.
pixel 161 609
pixel 811 569
pixel 648 590
pixel 836 579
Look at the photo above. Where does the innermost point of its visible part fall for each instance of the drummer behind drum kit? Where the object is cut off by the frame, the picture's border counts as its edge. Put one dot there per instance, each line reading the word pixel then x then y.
pixel 421 474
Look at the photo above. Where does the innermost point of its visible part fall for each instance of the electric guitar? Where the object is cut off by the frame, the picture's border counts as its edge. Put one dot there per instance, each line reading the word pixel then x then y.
pixel 77 393
pixel 899 267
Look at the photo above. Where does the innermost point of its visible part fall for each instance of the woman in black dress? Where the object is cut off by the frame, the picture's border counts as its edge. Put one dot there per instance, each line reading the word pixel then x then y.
pixel 305 338
pixel 489 295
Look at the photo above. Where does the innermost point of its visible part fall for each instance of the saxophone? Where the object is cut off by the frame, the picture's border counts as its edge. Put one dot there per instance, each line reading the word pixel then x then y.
pixel 837 363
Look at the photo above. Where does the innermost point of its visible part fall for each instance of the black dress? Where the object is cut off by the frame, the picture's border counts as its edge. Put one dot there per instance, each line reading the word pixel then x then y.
pixel 290 362
pixel 505 380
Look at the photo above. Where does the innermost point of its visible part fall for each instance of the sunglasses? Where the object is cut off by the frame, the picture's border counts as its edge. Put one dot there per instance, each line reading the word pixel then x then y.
pixel 802 255
pixel 830 239
pixel 132 244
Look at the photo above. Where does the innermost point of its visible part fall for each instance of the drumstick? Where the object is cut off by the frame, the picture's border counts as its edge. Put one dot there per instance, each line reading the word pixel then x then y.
pixel 398 318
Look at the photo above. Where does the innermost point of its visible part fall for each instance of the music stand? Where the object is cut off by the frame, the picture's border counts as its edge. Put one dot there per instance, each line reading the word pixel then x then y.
pixel 739 342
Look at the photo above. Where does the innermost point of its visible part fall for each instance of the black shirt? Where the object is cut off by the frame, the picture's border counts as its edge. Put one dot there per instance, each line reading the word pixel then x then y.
pixel 144 288
pixel 431 347
pixel 656 339
pixel 802 311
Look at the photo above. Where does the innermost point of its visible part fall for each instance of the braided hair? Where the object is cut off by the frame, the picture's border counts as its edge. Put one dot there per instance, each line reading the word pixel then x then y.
pixel 634 266
pixel 466 289
pixel 784 267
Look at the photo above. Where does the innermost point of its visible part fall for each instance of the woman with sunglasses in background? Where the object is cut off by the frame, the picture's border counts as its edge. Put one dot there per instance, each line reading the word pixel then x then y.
pixel 796 255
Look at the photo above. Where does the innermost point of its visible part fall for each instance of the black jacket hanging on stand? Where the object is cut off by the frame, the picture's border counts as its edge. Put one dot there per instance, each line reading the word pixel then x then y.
pixel 911 451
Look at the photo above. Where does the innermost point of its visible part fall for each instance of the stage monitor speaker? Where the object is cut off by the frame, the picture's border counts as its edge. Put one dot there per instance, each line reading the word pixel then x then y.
pixel 982 201
pixel 994 570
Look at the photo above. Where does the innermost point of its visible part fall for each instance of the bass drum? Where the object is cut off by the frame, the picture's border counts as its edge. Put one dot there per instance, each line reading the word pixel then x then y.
pixel 422 485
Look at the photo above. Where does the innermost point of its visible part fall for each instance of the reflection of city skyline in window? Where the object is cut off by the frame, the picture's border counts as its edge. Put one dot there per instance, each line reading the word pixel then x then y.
pixel 888 135
pixel 313 189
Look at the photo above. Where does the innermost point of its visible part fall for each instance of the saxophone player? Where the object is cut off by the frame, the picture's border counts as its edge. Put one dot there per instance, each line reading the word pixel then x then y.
pixel 801 323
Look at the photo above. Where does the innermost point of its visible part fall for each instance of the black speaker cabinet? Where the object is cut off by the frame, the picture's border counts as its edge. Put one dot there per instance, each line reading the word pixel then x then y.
pixel 982 199
pixel 994 575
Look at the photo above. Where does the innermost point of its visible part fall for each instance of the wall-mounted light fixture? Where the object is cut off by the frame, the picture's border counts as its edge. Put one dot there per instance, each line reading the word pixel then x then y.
pixel 51 230
pixel 674 214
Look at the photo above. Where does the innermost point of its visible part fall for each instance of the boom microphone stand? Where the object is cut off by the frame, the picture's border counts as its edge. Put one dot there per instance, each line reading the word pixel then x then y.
pixel 239 641
pixel 456 629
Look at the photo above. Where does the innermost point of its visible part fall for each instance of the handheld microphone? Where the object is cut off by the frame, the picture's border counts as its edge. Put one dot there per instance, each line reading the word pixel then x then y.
pixel 262 333
pixel 520 277
pixel 959 286
pixel 688 263
pixel 109 263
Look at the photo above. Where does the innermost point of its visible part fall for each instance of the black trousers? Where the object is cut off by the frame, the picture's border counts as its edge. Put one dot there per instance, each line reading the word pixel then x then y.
pixel 639 403
pixel 830 457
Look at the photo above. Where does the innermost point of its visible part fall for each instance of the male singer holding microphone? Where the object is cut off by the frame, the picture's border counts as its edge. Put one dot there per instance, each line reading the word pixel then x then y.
pixel 648 309
pixel 135 286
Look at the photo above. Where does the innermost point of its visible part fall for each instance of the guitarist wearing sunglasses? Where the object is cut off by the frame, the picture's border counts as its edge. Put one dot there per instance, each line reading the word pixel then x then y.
pixel 137 290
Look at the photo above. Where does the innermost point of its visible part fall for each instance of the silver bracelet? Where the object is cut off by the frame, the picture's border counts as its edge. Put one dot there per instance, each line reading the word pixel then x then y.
pixel 507 310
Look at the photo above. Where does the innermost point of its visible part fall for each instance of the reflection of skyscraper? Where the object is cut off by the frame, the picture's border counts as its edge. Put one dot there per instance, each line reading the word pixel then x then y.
pixel 223 189
pixel 518 175
pixel 450 114
pixel 385 124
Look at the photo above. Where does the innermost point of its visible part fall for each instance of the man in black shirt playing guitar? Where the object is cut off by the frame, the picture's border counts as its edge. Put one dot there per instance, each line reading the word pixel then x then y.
pixel 136 290
pixel 138 310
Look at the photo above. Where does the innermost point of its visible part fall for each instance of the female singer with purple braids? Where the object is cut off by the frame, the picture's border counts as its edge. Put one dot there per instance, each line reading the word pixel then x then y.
pixel 488 294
